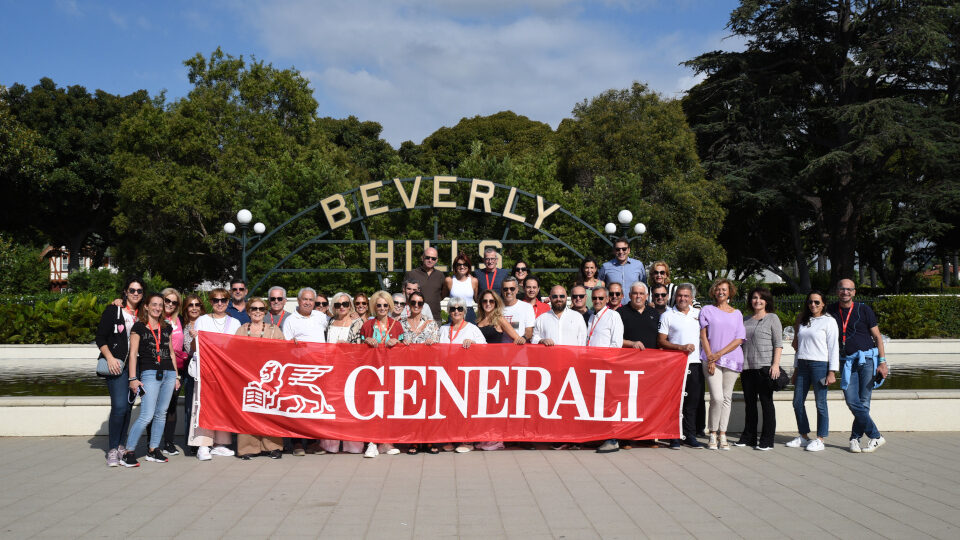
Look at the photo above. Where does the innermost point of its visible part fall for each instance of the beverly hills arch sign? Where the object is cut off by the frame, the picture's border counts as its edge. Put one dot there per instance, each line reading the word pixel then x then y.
pixel 354 207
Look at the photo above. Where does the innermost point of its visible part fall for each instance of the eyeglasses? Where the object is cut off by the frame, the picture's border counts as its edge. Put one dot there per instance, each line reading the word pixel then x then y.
pixel 359 303
pixel 616 293
pixel 578 296
pixel 277 299
pixel 218 300
pixel 256 309
pixel 490 259
pixel 173 303
pixel 416 303
pixel 521 269
pixel 488 301
pixel 323 304
pixel 599 298
pixel 508 289
pixel 619 249
pixel 660 295
pixel 558 296
pixel 131 290
pixel 238 289
pixel 379 305
pixel 813 302
pixel 429 258
pixel 339 305
pixel 193 305
pixel 464 265
pixel 456 308
pixel 658 272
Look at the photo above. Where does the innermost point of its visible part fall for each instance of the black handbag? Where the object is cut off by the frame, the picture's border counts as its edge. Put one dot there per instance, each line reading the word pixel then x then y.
pixel 779 383
pixel 114 343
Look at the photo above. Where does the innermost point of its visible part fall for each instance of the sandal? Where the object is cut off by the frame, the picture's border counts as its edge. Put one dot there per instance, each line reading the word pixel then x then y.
pixel 413 449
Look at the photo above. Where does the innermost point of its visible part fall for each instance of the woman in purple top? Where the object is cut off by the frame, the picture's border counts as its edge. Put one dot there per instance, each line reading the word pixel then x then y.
pixel 721 333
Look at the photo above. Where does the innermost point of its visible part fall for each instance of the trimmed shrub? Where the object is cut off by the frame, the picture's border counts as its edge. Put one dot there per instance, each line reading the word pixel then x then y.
pixel 906 317
pixel 70 319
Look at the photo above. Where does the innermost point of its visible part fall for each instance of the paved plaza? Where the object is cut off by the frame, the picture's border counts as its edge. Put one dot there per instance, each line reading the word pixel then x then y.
pixel 59 487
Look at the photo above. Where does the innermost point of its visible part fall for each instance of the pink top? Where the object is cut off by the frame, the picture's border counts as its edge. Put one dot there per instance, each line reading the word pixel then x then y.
pixel 722 328
pixel 176 341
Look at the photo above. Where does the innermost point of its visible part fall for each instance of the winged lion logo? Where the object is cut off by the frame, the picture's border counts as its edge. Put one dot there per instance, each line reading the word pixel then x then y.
pixel 288 390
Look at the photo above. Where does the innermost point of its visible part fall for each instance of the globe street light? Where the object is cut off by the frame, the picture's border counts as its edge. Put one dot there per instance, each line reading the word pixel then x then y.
pixel 624 217
pixel 244 217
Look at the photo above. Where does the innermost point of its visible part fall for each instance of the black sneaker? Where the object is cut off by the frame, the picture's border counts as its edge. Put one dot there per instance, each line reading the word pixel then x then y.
pixel 130 460
pixel 170 449
pixel 156 456
pixel 275 454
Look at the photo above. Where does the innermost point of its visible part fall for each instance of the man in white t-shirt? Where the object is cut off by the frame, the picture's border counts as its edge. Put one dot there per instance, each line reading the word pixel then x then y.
pixel 680 331
pixel 605 327
pixel 305 324
pixel 518 314
pixel 559 326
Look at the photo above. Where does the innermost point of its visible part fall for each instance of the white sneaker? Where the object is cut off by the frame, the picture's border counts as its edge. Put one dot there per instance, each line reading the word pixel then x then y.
pixel 371 451
pixel 203 453
pixel 855 446
pixel 873 444
pixel 221 450
pixel 815 445
pixel 722 443
pixel 388 449
pixel 463 448
pixel 712 443
pixel 798 442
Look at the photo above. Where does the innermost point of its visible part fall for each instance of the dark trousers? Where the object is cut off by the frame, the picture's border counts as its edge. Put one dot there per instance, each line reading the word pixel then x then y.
pixel 170 427
pixel 756 387
pixel 692 400
pixel 119 420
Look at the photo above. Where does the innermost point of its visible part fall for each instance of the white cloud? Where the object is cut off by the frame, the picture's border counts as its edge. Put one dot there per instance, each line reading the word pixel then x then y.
pixel 416 66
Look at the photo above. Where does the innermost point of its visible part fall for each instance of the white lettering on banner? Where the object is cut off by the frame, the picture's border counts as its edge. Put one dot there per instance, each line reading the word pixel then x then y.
pixel 293 390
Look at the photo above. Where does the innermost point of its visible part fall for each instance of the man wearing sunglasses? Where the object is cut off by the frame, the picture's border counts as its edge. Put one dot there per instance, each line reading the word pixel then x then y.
pixel 277 300
pixel 622 269
pixel 411 286
pixel 559 326
pixel 518 314
pixel 578 302
pixel 430 279
pixel 490 277
pixel 615 296
pixel 660 296
pixel 237 308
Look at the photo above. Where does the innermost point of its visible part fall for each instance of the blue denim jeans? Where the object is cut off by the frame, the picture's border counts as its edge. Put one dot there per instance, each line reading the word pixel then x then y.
pixel 857 395
pixel 809 374
pixel 119 419
pixel 153 406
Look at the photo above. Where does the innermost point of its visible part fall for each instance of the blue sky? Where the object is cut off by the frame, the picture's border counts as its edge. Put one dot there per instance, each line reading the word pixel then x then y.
pixel 411 65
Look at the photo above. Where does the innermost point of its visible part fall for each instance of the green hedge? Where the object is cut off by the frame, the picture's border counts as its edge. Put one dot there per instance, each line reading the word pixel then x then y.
pixel 71 319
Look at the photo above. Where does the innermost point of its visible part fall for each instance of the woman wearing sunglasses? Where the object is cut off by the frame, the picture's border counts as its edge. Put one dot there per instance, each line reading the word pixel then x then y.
pixel 462 285
pixel 221 323
pixel 152 375
pixel 416 327
pixel 361 305
pixel 249 446
pixel 492 325
pixel 193 309
pixel 383 330
pixel 113 340
pixel 459 332
pixel 815 364
pixel 660 275
pixel 344 327
pixel 171 315
pixel 520 270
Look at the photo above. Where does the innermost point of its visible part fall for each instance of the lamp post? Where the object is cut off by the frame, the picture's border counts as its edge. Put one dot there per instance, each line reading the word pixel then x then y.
pixel 625 217
pixel 244 217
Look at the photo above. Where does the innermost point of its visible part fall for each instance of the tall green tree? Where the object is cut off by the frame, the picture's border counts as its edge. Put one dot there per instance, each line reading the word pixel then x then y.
pixel 834 116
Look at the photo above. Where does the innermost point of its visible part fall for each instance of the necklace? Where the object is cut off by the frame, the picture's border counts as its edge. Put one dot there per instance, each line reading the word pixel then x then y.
pixel 221 325
pixel 263 328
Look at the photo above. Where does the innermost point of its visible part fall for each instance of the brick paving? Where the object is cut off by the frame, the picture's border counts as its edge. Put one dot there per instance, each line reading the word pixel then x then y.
pixel 59 487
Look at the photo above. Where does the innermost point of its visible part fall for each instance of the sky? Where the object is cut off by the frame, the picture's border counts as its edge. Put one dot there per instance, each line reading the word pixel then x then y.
pixel 411 65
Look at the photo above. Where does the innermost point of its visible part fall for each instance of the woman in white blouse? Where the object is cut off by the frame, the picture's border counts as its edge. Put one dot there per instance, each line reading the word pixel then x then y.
pixel 815 365
pixel 344 327
pixel 459 332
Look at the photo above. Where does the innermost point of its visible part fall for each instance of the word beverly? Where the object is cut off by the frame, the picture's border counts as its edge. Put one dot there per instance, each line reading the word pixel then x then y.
pixel 486 401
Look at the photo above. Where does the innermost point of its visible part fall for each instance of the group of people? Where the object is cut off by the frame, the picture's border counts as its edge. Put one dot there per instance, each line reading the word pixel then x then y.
pixel 149 342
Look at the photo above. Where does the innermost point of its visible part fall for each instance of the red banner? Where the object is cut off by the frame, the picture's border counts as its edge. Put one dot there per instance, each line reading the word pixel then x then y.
pixel 438 393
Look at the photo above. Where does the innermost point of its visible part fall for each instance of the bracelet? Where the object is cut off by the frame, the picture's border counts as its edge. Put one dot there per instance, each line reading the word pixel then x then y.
pixel 882 359
pixel 131 379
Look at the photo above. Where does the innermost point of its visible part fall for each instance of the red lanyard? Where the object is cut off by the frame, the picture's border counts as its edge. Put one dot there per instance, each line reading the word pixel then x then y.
pixel 131 312
pixel 384 331
pixel 596 321
pixel 486 279
pixel 843 337
pixel 282 313
pixel 156 341
pixel 459 328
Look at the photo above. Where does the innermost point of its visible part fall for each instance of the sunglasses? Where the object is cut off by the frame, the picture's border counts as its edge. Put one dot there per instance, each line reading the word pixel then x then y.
pixel 457 308
pixel 509 289
pixel 488 301
pixel 658 272
pixel 238 289
pixel 813 302
pixel 616 293
pixel 218 300
pixel 383 306
pixel 339 305
pixel 522 269
pixel 131 290
pixel 558 296
pixel 257 309
pixel 323 304
pixel 461 265
pixel 277 299
pixel 359 303
pixel 599 298
pixel 578 296
pixel 428 258
pixel 660 295
pixel 618 250
pixel 193 305
pixel 401 304
pixel 416 303
pixel 173 303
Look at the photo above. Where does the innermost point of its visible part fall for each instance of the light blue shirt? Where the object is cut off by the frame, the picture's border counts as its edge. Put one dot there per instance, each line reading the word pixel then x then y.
pixel 625 274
